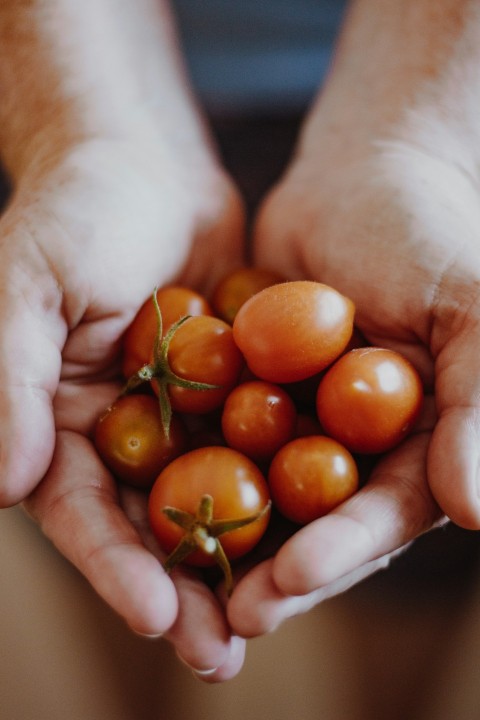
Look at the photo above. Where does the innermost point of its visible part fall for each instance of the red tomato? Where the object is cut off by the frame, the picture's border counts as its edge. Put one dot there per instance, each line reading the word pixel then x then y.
pixel 203 350
pixel 130 440
pixel 236 485
pixel 290 331
pixel 237 287
pixel 175 302
pixel 310 476
pixel 258 418
pixel 369 399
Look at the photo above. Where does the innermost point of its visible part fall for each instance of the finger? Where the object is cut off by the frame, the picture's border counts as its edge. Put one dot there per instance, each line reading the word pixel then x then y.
pixel 77 507
pixel 258 607
pixel 30 361
pixel 230 667
pixel 223 240
pixel 275 245
pixel 393 508
pixel 454 454
pixel 201 635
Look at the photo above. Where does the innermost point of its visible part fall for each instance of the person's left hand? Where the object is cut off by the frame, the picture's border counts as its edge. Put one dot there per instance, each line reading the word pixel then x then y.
pixel 379 202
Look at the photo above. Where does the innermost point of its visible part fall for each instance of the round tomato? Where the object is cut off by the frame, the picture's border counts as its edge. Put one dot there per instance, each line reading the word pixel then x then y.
pixel 310 476
pixel 235 484
pixel 202 350
pixel 237 287
pixel 174 302
pixel 369 399
pixel 258 418
pixel 290 331
pixel 129 438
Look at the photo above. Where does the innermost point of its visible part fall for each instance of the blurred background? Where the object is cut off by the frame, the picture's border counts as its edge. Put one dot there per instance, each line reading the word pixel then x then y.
pixel 404 644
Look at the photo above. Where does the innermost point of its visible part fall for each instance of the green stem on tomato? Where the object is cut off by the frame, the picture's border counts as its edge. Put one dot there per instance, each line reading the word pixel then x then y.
pixel 202 532
pixel 160 372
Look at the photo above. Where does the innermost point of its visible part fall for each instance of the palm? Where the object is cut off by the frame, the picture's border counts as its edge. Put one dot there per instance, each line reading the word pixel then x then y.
pixel 382 230
pixel 95 239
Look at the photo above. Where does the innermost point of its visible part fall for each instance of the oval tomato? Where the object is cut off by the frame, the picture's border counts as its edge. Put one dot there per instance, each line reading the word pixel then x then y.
pixel 237 287
pixel 290 331
pixel 129 438
pixel 174 302
pixel 236 485
pixel 369 399
pixel 258 418
pixel 310 476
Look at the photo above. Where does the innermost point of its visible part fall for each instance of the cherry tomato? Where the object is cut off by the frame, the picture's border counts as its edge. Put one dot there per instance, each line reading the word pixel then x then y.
pixel 236 485
pixel 258 418
pixel 237 287
pixel 129 438
pixel 290 331
pixel 175 302
pixel 203 350
pixel 310 476
pixel 369 399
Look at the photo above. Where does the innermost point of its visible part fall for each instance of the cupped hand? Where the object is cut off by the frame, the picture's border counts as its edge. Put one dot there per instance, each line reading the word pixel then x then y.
pixel 381 202
pixel 83 242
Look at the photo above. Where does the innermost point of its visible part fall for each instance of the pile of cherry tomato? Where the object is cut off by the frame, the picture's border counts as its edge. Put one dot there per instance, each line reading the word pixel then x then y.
pixel 262 397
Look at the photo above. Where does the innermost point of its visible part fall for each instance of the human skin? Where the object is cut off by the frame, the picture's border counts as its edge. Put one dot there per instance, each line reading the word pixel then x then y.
pixel 381 201
pixel 116 189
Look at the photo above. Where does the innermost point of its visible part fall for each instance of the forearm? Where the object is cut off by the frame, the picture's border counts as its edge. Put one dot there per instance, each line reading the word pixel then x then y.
pixel 70 71
pixel 394 56
pixel 416 38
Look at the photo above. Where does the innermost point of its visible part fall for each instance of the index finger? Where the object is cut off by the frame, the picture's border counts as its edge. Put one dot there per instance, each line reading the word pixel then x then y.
pixel 77 507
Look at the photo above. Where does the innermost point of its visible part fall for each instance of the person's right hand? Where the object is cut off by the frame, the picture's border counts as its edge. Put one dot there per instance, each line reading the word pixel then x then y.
pixel 117 189
pixel 85 239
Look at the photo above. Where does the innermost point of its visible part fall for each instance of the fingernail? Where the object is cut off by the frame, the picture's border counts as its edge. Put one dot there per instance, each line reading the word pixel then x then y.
pixel 196 672
pixel 149 637
pixel 203 673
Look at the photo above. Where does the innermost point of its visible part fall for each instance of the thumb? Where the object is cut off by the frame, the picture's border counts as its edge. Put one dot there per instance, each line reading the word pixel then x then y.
pixel 278 234
pixel 218 247
pixel 454 453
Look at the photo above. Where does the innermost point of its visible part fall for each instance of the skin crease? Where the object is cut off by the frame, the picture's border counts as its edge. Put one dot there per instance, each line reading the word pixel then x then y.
pixel 117 189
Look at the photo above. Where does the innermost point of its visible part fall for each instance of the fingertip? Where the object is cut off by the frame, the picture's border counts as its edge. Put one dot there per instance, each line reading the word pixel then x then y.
pixel 290 577
pixel 153 605
pixel 253 609
pixel 229 668
pixel 303 565
pixel 454 468
pixel 201 635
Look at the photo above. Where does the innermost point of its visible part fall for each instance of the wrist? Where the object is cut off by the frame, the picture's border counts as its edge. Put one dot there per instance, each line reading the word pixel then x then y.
pixel 72 72
pixel 399 64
